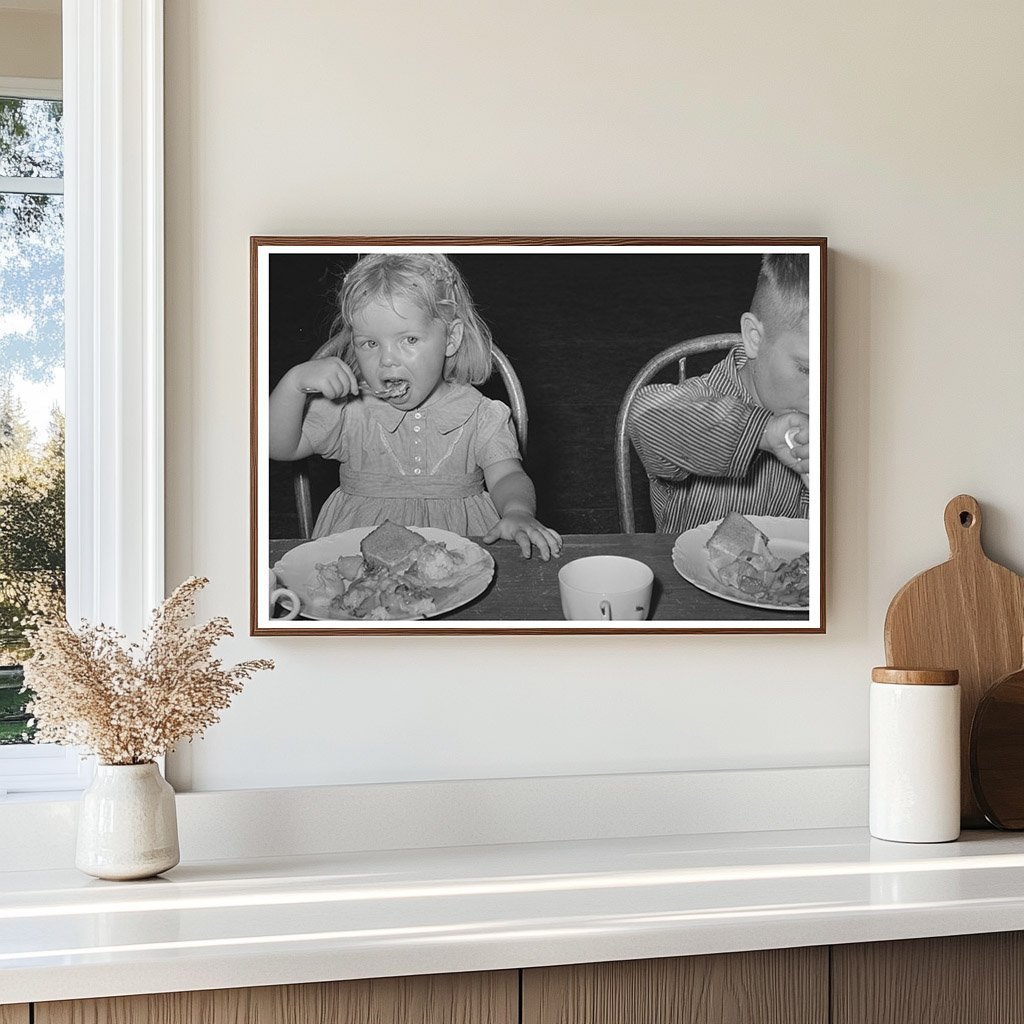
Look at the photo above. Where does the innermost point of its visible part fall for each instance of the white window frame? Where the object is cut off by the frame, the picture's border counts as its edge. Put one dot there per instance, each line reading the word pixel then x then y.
pixel 114 337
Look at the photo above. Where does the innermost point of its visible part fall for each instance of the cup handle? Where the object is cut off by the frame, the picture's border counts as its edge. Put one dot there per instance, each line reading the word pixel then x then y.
pixel 287 596
pixel 606 610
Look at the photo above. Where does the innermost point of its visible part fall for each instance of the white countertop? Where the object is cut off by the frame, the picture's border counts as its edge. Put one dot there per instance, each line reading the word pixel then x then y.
pixel 224 924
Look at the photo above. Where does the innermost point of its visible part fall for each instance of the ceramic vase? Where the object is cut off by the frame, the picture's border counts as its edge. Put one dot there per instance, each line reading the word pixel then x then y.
pixel 127 825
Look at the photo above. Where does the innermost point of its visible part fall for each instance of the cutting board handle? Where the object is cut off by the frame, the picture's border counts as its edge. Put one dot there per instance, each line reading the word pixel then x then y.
pixel 963 527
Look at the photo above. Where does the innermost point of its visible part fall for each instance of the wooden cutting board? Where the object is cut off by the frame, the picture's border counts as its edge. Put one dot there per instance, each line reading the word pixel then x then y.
pixel 967 614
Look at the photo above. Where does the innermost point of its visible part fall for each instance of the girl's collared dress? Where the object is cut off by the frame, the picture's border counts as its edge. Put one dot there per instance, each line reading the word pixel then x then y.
pixel 423 467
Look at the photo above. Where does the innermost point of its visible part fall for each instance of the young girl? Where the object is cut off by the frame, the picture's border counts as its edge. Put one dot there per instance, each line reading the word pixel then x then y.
pixel 417 443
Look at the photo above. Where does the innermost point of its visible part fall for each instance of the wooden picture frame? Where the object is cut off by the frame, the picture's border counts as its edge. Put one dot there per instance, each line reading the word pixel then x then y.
pixel 578 320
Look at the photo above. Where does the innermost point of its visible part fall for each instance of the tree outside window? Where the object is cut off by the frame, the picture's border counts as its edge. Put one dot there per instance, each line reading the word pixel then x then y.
pixel 31 387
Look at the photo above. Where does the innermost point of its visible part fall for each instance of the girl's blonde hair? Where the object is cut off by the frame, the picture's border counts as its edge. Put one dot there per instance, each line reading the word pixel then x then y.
pixel 433 283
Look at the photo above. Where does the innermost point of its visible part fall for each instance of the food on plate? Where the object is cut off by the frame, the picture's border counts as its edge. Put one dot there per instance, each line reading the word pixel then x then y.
pixel 739 557
pixel 349 566
pixel 325 580
pixel 793 578
pixel 330 578
pixel 734 536
pixel 399 574
pixel 435 562
pixel 379 595
pixel 390 547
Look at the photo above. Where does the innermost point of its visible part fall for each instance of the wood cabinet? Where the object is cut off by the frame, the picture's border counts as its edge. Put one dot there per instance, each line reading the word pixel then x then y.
pixel 480 998
pixel 972 979
pixel 775 986
pixel 962 979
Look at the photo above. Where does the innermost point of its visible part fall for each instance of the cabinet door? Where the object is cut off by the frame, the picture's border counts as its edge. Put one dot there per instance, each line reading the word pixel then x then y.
pixel 481 998
pixel 777 986
pixel 962 979
pixel 14 1014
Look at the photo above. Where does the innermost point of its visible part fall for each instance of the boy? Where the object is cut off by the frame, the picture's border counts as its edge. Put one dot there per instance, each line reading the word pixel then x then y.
pixel 737 438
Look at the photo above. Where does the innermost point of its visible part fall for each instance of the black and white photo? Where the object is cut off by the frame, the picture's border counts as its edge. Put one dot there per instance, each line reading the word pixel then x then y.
pixel 537 435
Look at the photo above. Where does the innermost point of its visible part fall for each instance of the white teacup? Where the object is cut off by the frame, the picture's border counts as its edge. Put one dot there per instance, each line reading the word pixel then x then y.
pixel 282 595
pixel 607 587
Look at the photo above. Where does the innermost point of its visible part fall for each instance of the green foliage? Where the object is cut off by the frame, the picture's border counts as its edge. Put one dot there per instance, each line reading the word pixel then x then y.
pixel 31 526
pixel 14 727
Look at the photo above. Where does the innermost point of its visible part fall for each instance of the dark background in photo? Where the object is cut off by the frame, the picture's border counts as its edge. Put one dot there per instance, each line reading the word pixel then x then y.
pixel 576 327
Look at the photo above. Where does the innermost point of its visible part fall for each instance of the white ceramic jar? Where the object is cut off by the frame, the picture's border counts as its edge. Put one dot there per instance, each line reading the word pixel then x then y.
pixel 915 755
pixel 127 824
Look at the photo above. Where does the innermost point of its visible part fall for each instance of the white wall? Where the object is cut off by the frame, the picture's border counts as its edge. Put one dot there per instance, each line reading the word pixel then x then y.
pixel 894 129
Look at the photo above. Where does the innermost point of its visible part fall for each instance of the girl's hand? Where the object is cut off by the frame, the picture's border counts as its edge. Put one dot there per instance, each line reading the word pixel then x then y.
pixel 331 377
pixel 527 533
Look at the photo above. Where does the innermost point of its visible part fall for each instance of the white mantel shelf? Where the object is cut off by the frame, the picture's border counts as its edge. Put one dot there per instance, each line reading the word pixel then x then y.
pixel 224 924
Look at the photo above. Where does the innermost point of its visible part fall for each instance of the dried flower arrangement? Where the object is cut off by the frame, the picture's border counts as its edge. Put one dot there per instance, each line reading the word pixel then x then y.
pixel 129 704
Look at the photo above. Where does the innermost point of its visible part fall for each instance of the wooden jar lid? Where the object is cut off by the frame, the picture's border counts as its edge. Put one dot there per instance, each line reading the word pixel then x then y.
pixel 918 676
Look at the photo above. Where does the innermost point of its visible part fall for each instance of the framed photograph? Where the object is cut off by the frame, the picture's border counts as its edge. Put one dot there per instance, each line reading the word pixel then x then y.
pixel 537 435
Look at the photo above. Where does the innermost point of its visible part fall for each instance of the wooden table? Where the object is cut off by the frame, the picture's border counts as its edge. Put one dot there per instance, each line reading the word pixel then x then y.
pixel 526 589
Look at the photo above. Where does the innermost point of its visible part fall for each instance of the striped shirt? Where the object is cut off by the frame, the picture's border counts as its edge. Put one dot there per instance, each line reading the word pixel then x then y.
pixel 698 442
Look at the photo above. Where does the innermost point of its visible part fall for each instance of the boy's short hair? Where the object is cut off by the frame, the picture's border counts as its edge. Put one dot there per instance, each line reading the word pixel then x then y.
pixel 782 296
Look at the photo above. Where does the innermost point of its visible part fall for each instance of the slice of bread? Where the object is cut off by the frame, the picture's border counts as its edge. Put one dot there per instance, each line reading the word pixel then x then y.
pixel 391 547
pixel 734 536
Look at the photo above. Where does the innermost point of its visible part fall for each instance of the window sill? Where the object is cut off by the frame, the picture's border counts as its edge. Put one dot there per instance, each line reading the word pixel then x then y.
pixel 239 923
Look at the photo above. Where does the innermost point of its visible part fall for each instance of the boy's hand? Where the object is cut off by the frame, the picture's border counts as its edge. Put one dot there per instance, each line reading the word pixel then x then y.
pixel 526 532
pixel 331 377
pixel 788 438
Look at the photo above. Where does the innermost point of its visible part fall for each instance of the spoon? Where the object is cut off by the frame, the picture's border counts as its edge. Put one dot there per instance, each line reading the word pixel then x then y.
pixel 392 391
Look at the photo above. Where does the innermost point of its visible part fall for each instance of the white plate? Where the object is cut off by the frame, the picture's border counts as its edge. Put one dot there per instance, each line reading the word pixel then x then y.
pixel 296 566
pixel 787 539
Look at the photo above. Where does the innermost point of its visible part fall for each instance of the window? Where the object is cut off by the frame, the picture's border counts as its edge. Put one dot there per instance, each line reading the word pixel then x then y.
pixel 32 537
pixel 31 378
pixel 113 318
